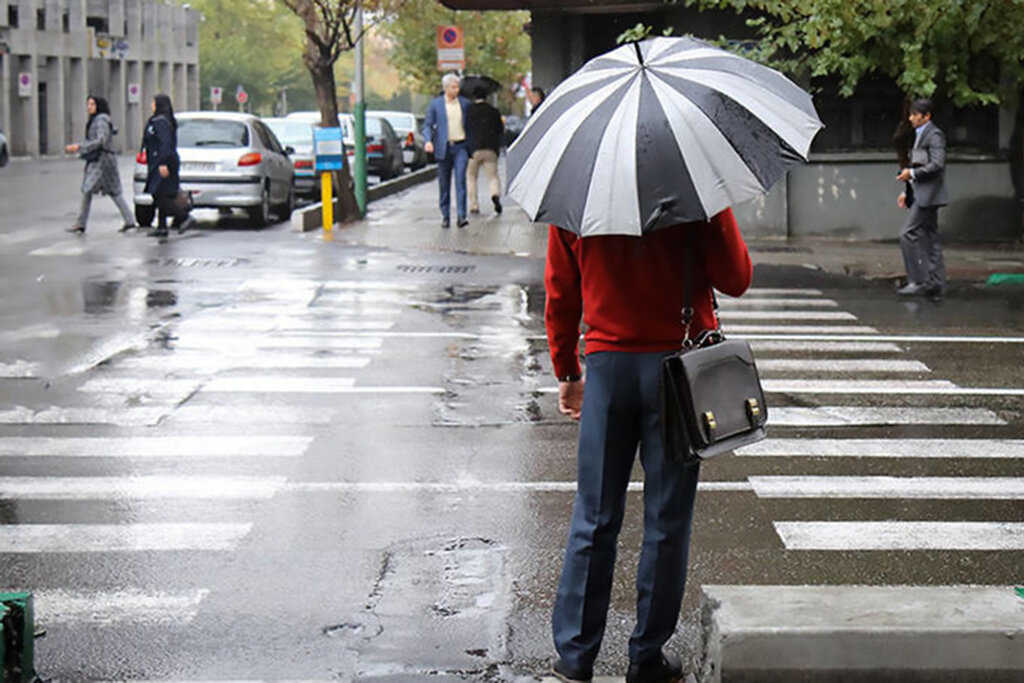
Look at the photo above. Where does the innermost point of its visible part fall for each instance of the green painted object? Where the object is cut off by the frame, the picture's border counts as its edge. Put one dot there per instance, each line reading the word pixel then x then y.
pixel 17 638
pixel 1005 279
pixel 1020 592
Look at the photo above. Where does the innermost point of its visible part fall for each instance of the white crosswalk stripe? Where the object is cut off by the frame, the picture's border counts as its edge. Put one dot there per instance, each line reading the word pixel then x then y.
pixel 139 488
pixel 911 535
pixel 104 538
pixel 886 448
pixel 847 416
pixel 954 488
pixel 840 365
pixel 155 446
pixel 103 608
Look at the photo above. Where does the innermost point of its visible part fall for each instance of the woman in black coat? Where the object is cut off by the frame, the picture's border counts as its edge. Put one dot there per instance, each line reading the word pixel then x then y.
pixel 160 142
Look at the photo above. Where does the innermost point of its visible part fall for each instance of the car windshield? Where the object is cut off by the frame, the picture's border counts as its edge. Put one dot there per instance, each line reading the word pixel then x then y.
pixel 212 133
pixel 291 132
pixel 400 121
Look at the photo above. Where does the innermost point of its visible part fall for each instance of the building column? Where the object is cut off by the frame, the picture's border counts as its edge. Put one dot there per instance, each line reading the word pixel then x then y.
pixel 136 112
pixel 76 87
pixel 6 81
pixel 181 87
pixel 118 95
pixel 194 96
pixel 56 131
pixel 149 88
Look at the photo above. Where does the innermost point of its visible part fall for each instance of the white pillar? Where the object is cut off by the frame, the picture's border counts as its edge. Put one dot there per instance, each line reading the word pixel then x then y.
pixel 118 109
pixel 55 109
pixel 77 90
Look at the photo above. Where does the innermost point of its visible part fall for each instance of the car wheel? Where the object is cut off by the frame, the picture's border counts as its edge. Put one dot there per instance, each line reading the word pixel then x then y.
pixel 259 215
pixel 144 214
pixel 284 212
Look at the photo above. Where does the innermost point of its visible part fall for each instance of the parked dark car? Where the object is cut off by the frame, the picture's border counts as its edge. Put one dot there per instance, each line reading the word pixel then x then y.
pixel 5 153
pixel 513 127
pixel 383 149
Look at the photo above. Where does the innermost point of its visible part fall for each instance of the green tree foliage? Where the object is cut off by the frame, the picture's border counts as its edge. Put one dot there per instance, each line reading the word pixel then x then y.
pixel 496 44
pixel 971 51
pixel 256 44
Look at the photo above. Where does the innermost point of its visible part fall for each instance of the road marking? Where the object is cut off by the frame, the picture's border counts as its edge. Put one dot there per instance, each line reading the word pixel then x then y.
pixel 125 417
pixel 766 345
pixel 126 606
pixel 805 332
pixel 141 385
pixel 138 488
pixel 731 304
pixel 307 385
pixel 156 446
pixel 882 386
pixel 887 448
pixel 845 416
pixel 103 538
pixel 263 324
pixel 901 535
pixel 31 332
pixel 945 488
pixel 463 486
pixel 206 362
pixel 275 285
pixel 840 365
pixel 771 291
pixel 780 333
pixel 253 413
pixel 230 342
pixel 65 248
pixel 19 369
pixel 728 315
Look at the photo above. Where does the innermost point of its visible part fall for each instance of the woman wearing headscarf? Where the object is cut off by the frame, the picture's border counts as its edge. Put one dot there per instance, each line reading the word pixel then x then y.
pixel 160 143
pixel 101 172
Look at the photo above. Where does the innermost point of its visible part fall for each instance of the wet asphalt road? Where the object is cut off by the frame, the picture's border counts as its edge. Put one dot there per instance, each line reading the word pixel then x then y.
pixel 244 455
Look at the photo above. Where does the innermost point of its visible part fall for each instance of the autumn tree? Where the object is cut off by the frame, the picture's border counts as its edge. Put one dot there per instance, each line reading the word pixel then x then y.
pixel 496 43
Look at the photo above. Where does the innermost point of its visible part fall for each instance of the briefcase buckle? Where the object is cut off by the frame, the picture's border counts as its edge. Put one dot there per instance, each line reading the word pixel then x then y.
pixel 709 422
pixel 753 410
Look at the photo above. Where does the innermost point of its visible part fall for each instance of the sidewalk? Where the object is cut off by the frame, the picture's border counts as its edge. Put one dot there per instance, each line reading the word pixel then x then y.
pixel 410 220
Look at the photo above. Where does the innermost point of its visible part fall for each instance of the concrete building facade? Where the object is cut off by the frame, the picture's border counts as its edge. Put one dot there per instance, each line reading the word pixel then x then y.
pixel 55 53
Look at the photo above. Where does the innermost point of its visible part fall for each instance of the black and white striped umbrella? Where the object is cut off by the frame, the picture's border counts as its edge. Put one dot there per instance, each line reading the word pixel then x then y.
pixel 655 133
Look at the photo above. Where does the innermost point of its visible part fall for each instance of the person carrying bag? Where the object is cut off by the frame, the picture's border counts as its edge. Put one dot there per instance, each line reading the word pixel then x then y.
pixel 101 173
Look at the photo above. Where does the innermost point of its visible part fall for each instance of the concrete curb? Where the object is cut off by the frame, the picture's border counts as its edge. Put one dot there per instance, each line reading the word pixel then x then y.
pixel 862 633
pixel 311 217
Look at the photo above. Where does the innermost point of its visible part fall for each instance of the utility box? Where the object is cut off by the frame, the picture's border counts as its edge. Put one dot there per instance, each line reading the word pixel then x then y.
pixel 17 635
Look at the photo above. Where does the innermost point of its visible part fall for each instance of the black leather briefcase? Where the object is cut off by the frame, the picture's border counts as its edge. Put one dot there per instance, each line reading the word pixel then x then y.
pixel 711 400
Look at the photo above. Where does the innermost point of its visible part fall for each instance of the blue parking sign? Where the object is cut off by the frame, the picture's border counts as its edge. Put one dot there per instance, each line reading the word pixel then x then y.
pixel 328 149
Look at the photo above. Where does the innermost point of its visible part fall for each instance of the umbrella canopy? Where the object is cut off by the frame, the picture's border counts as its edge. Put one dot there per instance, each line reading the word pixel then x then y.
pixel 469 85
pixel 665 131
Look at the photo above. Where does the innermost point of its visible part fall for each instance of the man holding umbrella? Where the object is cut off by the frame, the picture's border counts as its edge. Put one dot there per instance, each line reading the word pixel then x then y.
pixel 634 161
pixel 445 133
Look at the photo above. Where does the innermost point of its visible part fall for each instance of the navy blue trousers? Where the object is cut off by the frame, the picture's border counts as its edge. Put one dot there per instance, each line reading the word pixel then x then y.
pixel 455 161
pixel 620 413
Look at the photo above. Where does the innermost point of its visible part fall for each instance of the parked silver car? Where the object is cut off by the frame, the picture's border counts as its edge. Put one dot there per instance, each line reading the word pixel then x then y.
pixel 229 160
pixel 408 132
pixel 298 135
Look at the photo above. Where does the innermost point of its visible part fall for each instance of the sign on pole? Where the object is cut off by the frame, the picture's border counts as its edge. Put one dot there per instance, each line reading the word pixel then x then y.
pixel 134 93
pixel 451 54
pixel 216 94
pixel 25 84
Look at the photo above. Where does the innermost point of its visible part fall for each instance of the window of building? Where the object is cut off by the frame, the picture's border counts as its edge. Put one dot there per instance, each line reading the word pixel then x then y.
pixel 65 22
pixel 40 19
pixel 12 16
pixel 98 24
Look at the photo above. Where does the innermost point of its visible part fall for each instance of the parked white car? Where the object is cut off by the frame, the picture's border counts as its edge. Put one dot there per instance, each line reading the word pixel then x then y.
pixel 409 135
pixel 228 160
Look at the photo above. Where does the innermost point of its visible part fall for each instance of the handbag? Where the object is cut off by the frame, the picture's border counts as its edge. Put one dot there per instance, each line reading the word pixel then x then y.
pixel 183 201
pixel 711 396
pixel 94 155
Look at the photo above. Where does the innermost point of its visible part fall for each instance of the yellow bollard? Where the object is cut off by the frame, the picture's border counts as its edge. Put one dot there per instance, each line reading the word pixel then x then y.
pixel 327 200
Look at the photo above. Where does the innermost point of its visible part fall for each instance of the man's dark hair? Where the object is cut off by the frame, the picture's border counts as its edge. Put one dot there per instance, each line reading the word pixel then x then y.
pixel 538 91
pixel 921 106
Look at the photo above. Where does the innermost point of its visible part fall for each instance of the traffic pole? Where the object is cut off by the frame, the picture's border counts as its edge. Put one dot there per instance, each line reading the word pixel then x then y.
pixel 360 116
pixel 327 201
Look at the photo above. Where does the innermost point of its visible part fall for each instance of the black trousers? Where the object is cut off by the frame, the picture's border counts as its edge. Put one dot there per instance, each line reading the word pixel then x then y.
pixel 167 205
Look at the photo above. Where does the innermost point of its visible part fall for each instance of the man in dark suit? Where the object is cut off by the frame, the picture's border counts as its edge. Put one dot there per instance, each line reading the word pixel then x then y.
pixel 919 237
pixel 444 129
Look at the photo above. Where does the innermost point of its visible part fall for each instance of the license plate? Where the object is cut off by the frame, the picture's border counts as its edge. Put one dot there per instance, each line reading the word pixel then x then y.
pixel 199 166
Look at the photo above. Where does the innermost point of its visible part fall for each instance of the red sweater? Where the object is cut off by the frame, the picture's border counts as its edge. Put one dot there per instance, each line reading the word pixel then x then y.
pixel 629 290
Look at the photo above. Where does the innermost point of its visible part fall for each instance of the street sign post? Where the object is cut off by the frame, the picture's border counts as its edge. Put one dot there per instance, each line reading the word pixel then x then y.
pixel 451 53
pixel 216 96
pixel 134 93
pixel 25 84
pixel 241 97
pixel 329 155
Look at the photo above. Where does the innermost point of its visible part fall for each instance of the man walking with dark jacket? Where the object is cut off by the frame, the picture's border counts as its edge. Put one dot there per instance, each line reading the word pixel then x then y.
pixel 919 238
pixel 484 129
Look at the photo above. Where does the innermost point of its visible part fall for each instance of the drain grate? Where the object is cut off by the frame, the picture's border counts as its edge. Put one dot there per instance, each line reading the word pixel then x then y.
pixel 406 268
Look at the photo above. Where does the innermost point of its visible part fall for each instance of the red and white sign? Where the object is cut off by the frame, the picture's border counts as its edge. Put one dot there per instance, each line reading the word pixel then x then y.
pixel 216 94
pixel 451 53
pixel 25 84
pixel 134 93
pixel 241 96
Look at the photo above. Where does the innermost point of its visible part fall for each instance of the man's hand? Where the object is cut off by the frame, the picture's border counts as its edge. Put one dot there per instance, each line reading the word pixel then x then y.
pixel 71 149
pixel 570 398
pixel 904 175
pixel 428 146
pixel 164 171
pixel 902 201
